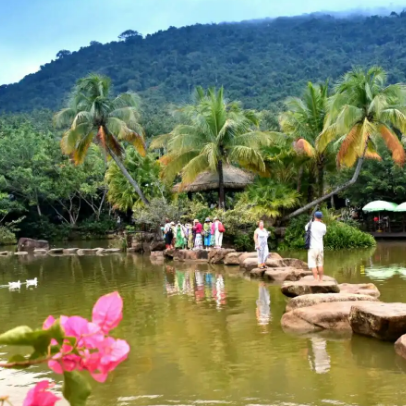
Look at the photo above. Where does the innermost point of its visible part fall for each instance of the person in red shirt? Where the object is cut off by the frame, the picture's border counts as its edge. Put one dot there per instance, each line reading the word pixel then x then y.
pixel 198 228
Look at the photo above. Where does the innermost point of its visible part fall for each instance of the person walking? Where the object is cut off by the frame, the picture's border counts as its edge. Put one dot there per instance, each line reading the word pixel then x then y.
pixel 207 233
pixel 261 244
pixel 218 230
pixel 198 228
pixel 315 254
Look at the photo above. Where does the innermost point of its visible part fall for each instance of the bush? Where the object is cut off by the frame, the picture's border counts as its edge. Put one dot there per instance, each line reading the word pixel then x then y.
pixel 7 237
pixel 339 235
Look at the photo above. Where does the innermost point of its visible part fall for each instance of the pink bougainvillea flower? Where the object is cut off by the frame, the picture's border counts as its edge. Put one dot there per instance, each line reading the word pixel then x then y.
pixel 108 312
pixel 50 320
pixel 111 353
pixel 38 395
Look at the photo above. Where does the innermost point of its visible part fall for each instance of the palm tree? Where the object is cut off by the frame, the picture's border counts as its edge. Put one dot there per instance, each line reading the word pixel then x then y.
pixel 215 132
pixel 93 117
pixel 361 110
pixel 146 172
pixel 302 123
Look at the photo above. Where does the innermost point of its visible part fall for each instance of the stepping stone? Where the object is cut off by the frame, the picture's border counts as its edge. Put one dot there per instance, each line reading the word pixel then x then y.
pixel 21 253
pixel 305 287
pixel 5 253
pixel 232 258
pixel 361 289
pixel 111 250
pixel 385 321
pixel 400 346
pixel 245 255
pixel 318 298
pixel 69 251
pixel 295 263
pixel 87 251
pixel 285 274
pixel 54 251
pixel 257 272
pixel 252 263
pixel 325 278
pixel 40 251
pixel 323 316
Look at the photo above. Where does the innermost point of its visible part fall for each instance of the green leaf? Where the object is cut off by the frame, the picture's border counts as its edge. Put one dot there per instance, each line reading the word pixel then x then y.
pixel 18 358
pixel 76 389
pixel 16 336
pixel 25 336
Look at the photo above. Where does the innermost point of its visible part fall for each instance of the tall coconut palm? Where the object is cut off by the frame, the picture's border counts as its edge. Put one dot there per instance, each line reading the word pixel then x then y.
pixel 214 133
pixel 361 110
pixel 93 116
pixel 302 123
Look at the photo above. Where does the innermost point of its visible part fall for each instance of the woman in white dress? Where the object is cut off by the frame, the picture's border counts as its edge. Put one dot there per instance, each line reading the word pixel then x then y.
pixel 261 244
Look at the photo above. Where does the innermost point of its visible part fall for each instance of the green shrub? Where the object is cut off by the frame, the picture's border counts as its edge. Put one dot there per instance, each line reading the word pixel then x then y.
pixel 339 235
pixel 7 237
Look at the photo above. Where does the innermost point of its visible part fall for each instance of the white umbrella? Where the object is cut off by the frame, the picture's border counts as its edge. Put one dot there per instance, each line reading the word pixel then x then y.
pixel 379 205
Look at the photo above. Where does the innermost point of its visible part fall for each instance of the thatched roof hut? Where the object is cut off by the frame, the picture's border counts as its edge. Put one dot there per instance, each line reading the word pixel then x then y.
pixel 234 178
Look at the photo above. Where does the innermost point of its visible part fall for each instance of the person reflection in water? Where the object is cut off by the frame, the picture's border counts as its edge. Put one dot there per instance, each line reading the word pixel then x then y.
pixel 319 359
pixel 219 292
pixel 263 305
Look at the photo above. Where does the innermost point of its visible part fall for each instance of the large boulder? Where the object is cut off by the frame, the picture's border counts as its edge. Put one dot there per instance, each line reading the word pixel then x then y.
pixel 136 247
pixel 217 256
pixel 157 245
pixel 305 287
pixel 29 244
pixel 400 346
pixel 285 274
pixel 360 289
pixel 385 321
pixel 318 298
pixel 232 258
pixel 330 316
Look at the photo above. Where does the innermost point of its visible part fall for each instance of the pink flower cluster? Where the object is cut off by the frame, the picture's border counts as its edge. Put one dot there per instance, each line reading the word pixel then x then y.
pixel 38 395
pixel 94 351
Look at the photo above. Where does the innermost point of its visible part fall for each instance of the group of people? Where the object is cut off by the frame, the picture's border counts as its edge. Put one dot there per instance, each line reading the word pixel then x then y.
pixel 194 236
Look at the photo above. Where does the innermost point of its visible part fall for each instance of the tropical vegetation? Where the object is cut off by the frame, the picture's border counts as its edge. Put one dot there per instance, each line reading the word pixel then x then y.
pixel 85 169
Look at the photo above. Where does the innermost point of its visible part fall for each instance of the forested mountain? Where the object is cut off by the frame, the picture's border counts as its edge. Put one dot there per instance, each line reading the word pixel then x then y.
pixel 257 62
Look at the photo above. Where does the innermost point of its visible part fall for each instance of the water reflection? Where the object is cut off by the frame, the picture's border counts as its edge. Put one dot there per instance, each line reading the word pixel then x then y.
pixel 263 310
pixel 202 285
pixel 318 357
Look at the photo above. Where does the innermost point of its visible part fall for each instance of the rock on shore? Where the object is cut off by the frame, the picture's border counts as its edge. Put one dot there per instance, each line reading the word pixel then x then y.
pixel 385 321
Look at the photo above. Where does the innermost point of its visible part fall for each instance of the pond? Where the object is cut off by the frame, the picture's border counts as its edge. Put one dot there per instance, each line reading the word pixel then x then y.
pixel 203 334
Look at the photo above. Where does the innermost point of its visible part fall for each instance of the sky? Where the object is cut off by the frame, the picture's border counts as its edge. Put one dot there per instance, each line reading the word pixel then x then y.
pixel 33 31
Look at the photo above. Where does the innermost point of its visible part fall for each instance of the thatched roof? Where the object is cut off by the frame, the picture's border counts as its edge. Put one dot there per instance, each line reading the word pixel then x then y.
pixel 234 178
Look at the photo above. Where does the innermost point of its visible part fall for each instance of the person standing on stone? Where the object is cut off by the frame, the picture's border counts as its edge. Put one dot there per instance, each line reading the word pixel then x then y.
pixel 168 234
pixel 198 228
pixel 315 255
pixel 207 233
pixel 217 229
pixel 261 244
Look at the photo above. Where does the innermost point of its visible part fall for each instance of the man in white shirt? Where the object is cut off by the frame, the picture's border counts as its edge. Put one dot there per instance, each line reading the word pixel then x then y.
pixel 315 256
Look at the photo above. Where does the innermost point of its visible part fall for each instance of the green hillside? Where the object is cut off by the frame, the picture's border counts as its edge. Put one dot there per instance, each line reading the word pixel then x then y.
pixel 257 62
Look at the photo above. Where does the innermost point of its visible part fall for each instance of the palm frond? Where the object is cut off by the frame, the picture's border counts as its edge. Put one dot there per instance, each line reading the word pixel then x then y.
pixel 393 144
pixel 304 147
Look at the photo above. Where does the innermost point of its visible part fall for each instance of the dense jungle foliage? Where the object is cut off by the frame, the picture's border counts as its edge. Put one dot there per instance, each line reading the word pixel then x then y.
pixel 258 63
pixel 110 157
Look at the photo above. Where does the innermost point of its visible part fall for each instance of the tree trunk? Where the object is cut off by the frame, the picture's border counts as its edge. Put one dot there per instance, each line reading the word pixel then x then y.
pixel 222 197
pixel 334 192
pixel 299 179
pixel 133 183
pixel 320 179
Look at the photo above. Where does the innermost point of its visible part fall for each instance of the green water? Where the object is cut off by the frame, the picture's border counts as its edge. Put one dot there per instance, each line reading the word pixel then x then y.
pixel 205 335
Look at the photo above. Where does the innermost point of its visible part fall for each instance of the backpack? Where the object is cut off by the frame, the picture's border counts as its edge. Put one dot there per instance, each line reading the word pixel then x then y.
pixel 221 228
pixel 308 235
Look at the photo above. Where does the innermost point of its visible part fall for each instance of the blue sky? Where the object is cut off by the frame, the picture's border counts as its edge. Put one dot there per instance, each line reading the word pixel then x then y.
pixel 33 31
